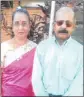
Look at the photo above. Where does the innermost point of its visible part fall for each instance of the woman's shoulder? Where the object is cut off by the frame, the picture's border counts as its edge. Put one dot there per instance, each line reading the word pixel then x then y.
pixel 5 46
pixel 6 42
pixel 30 45
pixel 33 44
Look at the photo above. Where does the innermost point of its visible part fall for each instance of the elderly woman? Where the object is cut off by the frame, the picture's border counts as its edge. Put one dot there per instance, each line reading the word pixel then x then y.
pixel 17 57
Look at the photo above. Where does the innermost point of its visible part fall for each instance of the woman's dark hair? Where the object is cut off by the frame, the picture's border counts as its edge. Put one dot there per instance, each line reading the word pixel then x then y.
pixel 21 10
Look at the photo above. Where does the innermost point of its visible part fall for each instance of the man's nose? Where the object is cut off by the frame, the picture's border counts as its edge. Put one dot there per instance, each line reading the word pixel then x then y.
pixel 64 25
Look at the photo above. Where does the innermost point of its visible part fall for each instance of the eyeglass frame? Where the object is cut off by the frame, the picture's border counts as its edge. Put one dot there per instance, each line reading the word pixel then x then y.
pixel 70 24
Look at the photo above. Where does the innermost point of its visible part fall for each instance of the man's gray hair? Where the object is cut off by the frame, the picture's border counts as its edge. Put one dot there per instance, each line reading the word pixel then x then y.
pixel 65 10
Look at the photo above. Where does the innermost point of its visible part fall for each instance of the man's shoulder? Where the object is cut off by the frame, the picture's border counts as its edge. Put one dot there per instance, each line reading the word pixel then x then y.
pixel 77 44
pixel 44 45
pixel 46 42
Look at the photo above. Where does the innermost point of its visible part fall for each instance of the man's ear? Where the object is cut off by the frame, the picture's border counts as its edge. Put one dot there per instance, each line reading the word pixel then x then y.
pixel 54 26
pixel 74 26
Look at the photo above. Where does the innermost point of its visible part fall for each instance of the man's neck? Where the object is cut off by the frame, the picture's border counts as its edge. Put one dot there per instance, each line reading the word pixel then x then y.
pixel 61 41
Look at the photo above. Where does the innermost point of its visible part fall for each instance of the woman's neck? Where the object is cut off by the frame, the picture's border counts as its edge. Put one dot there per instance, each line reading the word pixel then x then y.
pixel 18 42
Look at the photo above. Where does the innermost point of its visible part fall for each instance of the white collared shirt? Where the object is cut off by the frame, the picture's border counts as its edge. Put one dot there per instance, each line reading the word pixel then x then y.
pixel 58 69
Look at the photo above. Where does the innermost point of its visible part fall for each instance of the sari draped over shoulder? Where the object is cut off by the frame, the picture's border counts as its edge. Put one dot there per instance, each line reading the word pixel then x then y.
pixel 16 76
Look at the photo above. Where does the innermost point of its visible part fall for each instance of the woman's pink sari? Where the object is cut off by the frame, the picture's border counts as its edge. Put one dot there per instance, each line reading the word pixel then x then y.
pixel 16 77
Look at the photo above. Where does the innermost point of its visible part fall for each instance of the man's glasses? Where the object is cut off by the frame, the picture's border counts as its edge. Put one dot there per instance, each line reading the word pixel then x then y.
pixel 60 22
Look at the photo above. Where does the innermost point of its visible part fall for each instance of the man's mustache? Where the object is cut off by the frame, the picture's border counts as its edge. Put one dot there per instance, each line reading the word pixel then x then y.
pixel 63 31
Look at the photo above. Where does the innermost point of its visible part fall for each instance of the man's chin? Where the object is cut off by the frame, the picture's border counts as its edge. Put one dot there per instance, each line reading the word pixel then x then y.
pixel 63 36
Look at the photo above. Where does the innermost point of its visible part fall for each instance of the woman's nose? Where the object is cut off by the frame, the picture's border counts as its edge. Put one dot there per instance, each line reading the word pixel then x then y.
pixel 20 26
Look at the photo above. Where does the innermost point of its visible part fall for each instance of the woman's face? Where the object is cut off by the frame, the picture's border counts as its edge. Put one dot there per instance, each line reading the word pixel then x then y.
pixel 21 25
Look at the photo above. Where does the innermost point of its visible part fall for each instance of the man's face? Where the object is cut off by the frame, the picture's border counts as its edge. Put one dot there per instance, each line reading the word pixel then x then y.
pixel 64 25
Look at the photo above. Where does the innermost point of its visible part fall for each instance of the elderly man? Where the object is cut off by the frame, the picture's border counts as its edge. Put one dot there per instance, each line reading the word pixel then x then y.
pixel 58 62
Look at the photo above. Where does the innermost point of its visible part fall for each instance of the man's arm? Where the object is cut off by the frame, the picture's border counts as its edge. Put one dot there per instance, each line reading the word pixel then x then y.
pixel 76 88
pixel 37 74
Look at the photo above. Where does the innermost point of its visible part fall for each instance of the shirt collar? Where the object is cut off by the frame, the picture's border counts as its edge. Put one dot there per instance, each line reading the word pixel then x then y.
pixel 65 42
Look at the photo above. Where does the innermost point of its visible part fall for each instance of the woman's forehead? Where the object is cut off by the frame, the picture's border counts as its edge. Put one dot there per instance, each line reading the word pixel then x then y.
pixel 20 16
